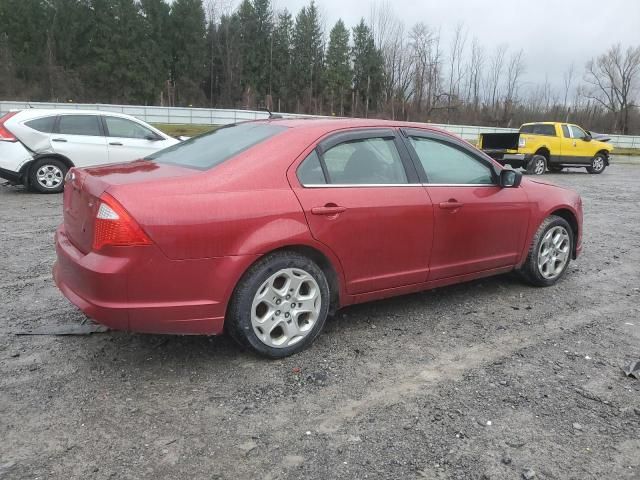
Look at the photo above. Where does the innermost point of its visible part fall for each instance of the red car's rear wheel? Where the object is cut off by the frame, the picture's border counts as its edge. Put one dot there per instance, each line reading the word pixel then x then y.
pixel 280 305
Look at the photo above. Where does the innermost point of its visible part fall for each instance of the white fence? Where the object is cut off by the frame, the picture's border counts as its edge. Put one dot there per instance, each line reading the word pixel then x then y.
pixel 217 116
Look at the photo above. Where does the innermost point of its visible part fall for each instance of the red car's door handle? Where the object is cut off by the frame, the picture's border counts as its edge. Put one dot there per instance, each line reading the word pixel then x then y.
pixel 451 204
pixel 329 209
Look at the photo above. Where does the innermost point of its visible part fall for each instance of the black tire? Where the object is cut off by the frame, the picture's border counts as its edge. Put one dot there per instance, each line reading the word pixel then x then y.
pixel 537 165
pixel 598 164
pixel 529 270
pixel 555 168
pixel 57 171
pixel 238 322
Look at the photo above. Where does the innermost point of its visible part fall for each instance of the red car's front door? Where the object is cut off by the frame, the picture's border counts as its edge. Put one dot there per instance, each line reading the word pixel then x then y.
pixel 479 226
pixel 362 198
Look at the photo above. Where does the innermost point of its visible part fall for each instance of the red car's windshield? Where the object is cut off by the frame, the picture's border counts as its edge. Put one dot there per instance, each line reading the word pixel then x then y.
pixel 213 148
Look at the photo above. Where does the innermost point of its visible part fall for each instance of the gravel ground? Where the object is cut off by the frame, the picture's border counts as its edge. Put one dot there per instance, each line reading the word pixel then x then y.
pixel 489 379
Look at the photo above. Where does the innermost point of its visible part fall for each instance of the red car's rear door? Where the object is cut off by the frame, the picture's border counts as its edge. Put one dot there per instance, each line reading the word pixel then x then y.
pixel 479 226
pixel 362 198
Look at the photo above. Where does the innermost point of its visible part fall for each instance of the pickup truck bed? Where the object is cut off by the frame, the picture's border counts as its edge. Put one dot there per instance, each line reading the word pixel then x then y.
pixel 503 147
pixel 500 141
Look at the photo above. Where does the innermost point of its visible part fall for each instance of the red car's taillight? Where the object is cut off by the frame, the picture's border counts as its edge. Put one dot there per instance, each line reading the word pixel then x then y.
pixel 114 226
pixel 5 134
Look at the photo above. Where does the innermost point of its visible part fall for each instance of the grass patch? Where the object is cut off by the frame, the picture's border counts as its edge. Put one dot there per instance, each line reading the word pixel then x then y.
pixel 187 130
pixel 626 151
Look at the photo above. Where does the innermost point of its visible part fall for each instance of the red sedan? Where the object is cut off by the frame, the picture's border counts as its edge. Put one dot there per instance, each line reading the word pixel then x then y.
pixel 264 228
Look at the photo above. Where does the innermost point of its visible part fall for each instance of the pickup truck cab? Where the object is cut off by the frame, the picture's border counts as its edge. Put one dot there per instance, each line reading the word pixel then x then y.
pixel 548 145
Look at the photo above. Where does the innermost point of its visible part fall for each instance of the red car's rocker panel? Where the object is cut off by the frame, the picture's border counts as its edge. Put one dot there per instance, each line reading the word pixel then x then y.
pixel 174 244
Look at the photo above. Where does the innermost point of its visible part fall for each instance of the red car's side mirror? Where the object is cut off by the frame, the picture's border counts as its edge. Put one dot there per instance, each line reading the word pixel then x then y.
pixel 510 178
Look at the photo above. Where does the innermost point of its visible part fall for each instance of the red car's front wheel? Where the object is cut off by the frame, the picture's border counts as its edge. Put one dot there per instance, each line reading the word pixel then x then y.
pixel 550 252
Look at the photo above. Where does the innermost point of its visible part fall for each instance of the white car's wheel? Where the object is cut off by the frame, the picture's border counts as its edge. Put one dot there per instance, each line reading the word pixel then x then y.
pixel 46 175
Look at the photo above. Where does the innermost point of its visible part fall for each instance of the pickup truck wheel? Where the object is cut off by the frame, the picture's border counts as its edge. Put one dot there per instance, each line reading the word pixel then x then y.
pixel 549 253
pixel 537 165
pixel 598 164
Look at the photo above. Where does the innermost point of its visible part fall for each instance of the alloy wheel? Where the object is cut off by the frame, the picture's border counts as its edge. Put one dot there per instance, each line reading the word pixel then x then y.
pixel 553 253
pixel 285 308
pixel 597 164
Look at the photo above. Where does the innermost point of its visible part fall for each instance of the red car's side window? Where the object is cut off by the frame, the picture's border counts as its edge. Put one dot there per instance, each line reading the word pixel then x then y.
pixel 446 164
pixel 310 170
pixel 365 161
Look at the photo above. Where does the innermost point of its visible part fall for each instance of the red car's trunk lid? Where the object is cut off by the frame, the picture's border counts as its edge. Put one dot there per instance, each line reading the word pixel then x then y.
pixel 84 187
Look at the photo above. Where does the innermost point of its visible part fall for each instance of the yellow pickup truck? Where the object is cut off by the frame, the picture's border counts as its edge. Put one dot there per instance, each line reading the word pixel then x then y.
pixel 548 145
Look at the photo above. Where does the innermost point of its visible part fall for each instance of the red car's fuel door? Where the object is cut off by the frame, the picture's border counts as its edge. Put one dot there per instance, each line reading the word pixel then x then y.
pixel 479 225
pixel 362 198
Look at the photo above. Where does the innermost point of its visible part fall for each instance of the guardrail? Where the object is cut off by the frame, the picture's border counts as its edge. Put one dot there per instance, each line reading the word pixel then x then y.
pixel 217 116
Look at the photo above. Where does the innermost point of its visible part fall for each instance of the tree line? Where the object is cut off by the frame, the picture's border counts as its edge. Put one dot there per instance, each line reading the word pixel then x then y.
pixel 215 54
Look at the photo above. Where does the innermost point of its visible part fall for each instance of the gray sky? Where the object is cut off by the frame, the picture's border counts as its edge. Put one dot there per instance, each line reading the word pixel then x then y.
pixel 553 34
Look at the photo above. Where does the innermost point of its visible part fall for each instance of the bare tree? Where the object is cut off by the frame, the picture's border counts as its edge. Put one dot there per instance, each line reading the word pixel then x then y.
pixel 421 47
pixel 435 73
pixel 613 78
pixel 567 79
pixel 427 58
pixel 515 69
pixel 398 66
pixel 382 21
pixel 456 73
pixel 494 78
pixel 474 77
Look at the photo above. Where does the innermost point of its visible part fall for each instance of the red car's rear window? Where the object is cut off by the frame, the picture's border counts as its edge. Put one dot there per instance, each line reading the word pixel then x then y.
pixel 212 148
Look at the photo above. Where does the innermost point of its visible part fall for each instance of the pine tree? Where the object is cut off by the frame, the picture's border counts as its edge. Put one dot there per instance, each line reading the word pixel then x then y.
pixel 307 56
pixel 189 49
pixel 228 44
pixel 263 45
pixel 256 26
pixel 368 68
pixel 338 67
pixel 71 45
pixel 8 82
pixel 156 30
pixel 281 60
pixel 119 71
pixel 24 22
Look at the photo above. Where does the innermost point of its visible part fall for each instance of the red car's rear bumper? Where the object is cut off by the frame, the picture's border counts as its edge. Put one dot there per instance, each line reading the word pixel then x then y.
pixel 141 290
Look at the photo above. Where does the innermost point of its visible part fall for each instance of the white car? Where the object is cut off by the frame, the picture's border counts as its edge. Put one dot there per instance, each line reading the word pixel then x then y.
pixel 38 147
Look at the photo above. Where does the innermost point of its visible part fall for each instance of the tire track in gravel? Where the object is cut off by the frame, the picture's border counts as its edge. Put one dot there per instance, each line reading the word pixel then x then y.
pixel 451 365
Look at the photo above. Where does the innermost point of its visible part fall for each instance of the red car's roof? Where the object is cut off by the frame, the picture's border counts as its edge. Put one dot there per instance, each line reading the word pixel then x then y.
pixel 330 124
